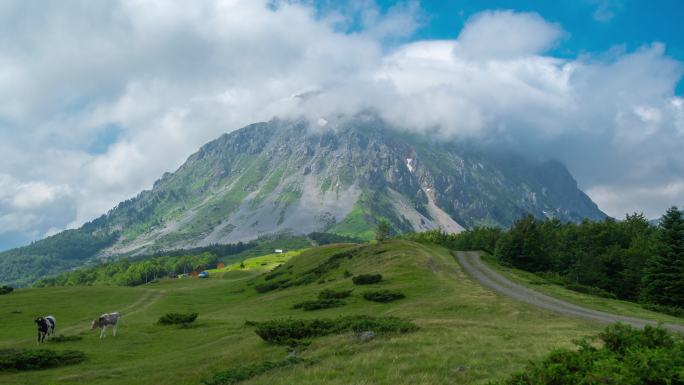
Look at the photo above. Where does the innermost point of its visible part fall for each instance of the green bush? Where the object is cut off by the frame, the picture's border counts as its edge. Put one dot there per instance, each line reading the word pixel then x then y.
pixel 294 332
pixel 334 294
pixel 274 274
pixel 383 295
pixel 318 273
pixel 266 287
pixel 177 318
pixel 670 310
pixel 17 360
pixel 590 290
pixel 242 373
pixel 6 289
pixel 628 356
pixel 319 304
pixel 367 279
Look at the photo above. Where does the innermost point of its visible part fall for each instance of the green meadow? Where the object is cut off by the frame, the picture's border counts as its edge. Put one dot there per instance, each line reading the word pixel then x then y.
pixel 467 334
pixel 258 264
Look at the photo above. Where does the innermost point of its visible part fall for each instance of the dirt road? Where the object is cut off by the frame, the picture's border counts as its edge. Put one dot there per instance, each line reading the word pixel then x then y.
pixel 473 265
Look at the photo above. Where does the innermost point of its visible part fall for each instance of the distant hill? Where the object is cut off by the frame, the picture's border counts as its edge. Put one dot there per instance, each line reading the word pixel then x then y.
pixel 338 177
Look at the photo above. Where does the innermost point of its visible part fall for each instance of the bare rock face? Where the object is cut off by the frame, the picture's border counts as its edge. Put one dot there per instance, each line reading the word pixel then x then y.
pixel 341 177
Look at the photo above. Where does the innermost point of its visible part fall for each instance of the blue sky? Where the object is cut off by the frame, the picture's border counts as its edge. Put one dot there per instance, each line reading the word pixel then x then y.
pixel 593 26
pixel 99 98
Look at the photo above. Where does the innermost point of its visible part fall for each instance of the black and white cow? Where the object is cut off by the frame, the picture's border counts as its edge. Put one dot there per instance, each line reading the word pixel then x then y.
pixel 46 327
pixel 109 319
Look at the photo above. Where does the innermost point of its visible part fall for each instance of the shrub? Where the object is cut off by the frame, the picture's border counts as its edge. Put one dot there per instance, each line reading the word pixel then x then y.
pixel 274 274
pixel 319 304
pixel 670 310
pixel 235 375
pixel 6 289
pixel 590 290
pixel 332 294
pixel 367 279
pixel 177 318
pixel 628 356
pixel 383 295
pixel 63 338
pixel 16 360
pixel 295 332
pixel 266 287
pixel 318 273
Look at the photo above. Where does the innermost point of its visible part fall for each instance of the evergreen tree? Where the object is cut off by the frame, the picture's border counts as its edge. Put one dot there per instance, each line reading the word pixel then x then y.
pixel 664 278
pixel 382 230
pixel 523 246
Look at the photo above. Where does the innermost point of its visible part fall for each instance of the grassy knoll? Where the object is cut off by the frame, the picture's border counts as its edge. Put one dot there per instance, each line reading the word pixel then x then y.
pixel 467 334
pixel 261 263
pixel 615 306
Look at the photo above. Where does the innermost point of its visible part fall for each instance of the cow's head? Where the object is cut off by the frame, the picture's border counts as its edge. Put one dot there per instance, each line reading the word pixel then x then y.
pixel 95 324
pixel 39 320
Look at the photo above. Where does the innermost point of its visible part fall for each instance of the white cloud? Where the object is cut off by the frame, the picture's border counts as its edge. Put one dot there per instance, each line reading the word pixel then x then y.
pixel 606 9
pixel 506 34
pixel 168 76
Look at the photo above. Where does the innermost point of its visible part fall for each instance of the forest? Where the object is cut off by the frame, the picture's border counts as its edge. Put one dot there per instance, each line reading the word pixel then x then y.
pixel 627 259
pixel 130 273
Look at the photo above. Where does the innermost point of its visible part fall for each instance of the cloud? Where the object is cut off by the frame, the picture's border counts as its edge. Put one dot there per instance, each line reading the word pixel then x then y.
pixel 101 97
pixel 507 34
pixel 25 207
pixel 606 9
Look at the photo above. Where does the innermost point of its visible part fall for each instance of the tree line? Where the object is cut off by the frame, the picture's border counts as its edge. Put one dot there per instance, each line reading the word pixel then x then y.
pixel 628 259
pixel 130 273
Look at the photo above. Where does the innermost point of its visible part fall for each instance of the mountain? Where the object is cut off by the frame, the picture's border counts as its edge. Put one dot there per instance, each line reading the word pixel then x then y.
pixel 294 177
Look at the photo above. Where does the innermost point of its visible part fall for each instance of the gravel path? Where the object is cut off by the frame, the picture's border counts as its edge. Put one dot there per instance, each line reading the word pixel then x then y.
pixel 473 265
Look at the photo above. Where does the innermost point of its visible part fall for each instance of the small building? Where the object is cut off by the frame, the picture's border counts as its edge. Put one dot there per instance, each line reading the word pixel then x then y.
pixel 278 251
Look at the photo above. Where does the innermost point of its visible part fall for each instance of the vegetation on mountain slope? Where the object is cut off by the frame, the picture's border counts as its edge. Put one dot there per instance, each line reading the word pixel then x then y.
pixel 127 273
pixel 59 252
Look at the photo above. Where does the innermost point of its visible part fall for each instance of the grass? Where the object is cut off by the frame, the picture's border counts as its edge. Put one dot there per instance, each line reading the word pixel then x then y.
pixel 355 224
pixel 262 263
pixel 542 285
pixel 461 325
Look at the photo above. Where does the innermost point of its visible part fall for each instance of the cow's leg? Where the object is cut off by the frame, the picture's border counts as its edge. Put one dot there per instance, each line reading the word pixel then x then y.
pixel 38 337
pixel 103 332
pixel 115 325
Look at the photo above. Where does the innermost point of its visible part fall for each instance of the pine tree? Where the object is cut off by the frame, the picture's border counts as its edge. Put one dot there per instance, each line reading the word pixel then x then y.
pixel 382 230
pixel 664 279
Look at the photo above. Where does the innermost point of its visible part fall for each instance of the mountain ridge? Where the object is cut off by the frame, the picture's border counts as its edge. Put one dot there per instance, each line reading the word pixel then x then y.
pixel 339 176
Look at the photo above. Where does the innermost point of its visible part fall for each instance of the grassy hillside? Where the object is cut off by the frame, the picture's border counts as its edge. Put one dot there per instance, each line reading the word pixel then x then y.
pixel 261 263
pixel 467 334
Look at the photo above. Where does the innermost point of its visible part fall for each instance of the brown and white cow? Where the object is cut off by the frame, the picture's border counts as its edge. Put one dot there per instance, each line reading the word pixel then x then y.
pixel 108 319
